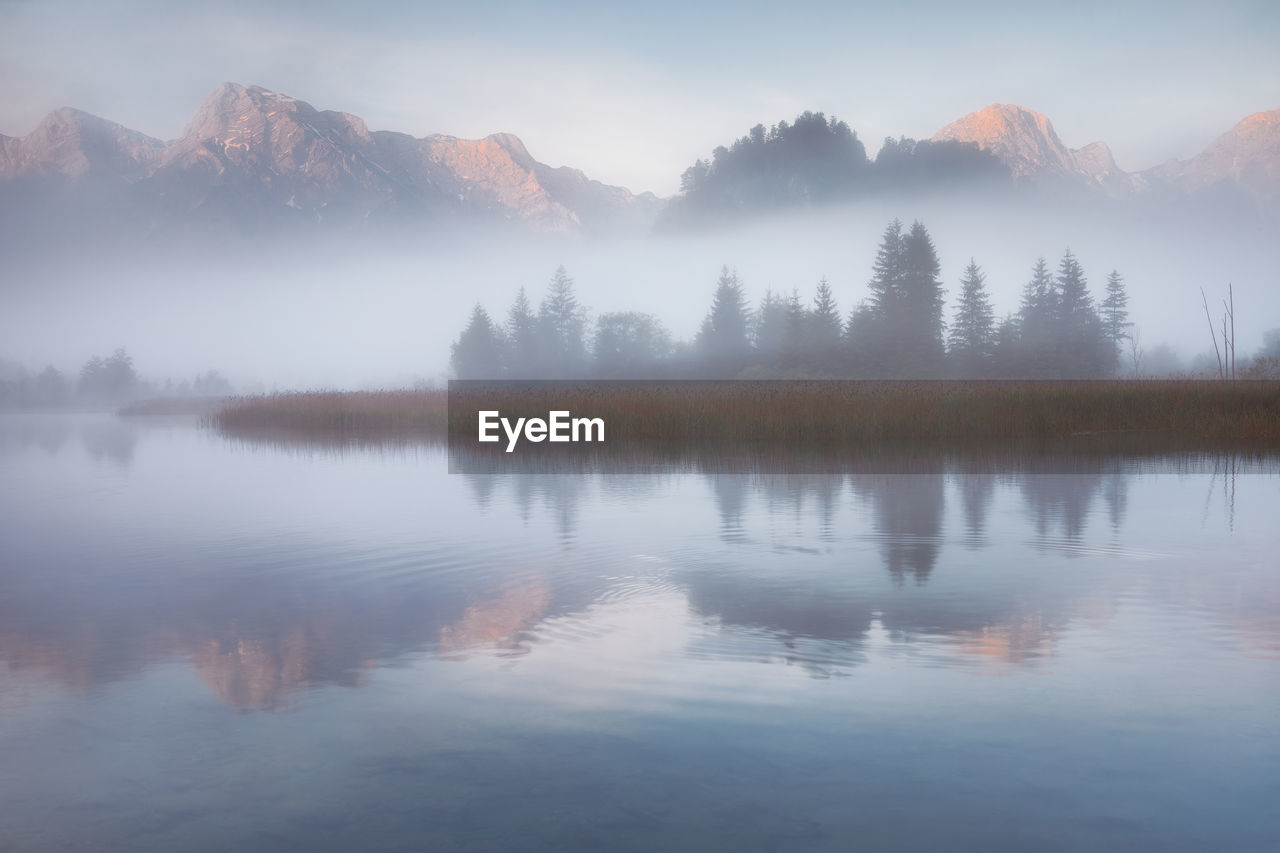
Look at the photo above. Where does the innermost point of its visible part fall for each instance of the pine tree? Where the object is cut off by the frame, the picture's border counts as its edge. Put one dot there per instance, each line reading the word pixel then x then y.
pixel 972 334
pixel 864 340
pixel 824 332
pixel 1006 350
pixel 827 327
pixel 1039 301
pixel 769 329
pixel 562 329
pixel 723 340
pixel 915 321
pixel 1083 349
pixel 1037 326
pixel 886 273
pixel 795 331
pixel 522 338
pixel 1075 305
pixel 478 352
pixel 1115 310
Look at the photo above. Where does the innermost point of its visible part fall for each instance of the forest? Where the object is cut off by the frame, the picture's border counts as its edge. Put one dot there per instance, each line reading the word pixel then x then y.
pixel 814 161
pixel 897 331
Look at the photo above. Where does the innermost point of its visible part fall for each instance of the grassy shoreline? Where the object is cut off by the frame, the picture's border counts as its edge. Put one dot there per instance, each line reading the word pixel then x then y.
pixel 806 412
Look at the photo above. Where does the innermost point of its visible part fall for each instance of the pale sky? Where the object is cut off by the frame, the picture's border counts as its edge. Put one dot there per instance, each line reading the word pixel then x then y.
pixel 633 93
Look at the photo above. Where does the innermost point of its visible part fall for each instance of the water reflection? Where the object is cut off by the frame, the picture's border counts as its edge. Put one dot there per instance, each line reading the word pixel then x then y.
pixel 807 568
pixel 908 520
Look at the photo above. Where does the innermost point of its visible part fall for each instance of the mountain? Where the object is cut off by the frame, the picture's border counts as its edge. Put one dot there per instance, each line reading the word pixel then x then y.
pixel 1243 163
pixel 252 159
pixel 1246 157
pixel 1026 142
pixel 73 144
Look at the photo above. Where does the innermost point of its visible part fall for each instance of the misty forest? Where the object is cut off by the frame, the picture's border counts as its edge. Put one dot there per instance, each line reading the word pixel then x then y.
pixel 815 161
pixel 853 458
pixel 788 201
pixel 898 330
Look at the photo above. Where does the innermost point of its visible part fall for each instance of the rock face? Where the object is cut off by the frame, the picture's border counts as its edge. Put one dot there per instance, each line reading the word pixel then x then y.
pixel 73 144
pixel 251 157
pixel 1026 142
pixel 1242 163
pixel 1247 157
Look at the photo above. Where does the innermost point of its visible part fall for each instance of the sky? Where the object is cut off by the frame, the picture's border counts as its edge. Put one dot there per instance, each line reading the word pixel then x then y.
pixel 633 93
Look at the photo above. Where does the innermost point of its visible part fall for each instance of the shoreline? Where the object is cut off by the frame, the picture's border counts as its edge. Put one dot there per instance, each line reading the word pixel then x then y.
pixel 817 412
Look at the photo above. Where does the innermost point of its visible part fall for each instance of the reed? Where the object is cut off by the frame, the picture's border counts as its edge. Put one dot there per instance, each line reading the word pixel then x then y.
pixel 797 412
pixel 337 412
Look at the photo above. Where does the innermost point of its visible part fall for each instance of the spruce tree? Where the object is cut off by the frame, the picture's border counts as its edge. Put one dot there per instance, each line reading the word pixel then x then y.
pixel 916 319
pixel 1115 310
pixel 478 351
pixel 971 336
pixel 769 329
pixel 522 338
pixel 863 343
pixel 886 272
pixel 1075 305
pixel 796 337
pixel 1037 327
pixel 562 329
pixel 825 329
pixel 1082 347
pixel 724 341
pixel 1006 350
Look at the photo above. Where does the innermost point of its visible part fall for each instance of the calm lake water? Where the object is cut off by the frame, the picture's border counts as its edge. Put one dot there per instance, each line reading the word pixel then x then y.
pixel 213 644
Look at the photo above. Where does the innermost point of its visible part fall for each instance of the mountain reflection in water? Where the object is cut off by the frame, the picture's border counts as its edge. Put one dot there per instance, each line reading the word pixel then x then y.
pixel 487 638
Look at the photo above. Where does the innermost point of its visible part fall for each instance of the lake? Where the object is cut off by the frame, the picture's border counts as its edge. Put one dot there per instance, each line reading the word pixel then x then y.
pixel 211 643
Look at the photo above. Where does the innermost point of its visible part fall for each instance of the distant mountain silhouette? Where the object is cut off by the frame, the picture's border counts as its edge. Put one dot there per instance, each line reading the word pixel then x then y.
pixel 816 161
pixel 252 159
pixel 1244 162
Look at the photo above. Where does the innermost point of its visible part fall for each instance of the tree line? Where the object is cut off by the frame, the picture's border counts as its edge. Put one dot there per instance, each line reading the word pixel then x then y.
pixel 108 380
pixel 815 160
pixel 897 331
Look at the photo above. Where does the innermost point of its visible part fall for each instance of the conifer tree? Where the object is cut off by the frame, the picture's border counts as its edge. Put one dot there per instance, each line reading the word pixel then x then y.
pixel 1075 305
pixel 1036 324
pixel 1082 347
pixel 522 338
pixel 769 329
pixel 723 340
pixel 972 333
pixel 562 329
pixel 863 343
pixel 827 326
pixel 1115 311
pixel 825 330
pixel 796 338
pixel 886 272
pixel 478 352
pixel 920 320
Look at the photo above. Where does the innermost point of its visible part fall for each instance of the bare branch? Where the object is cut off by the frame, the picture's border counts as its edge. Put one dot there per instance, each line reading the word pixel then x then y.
pixel 1212 333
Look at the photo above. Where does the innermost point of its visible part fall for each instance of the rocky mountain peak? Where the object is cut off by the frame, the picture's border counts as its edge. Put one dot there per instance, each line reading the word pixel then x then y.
pixel 1023 139
pixel 71 143
pixel 251 157
pixel 1247 156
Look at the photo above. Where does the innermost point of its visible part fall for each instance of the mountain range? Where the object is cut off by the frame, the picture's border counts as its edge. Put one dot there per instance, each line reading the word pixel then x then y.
pixel 252 159
pixel 1245 159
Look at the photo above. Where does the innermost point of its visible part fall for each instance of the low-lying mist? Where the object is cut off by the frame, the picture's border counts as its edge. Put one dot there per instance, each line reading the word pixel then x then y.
pixel 354 313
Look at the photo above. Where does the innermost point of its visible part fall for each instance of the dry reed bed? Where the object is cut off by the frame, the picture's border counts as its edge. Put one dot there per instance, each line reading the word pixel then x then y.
pixel 796 412
pixel 341 412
